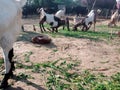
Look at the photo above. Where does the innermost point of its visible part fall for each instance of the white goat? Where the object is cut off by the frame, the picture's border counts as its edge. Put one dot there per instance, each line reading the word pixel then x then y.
pixel 51 19
pixel 87 21
pixel 10 25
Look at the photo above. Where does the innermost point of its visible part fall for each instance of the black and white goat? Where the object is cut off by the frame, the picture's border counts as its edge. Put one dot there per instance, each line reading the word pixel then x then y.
pixel 87 21
pixel 10 26
pixel 52 20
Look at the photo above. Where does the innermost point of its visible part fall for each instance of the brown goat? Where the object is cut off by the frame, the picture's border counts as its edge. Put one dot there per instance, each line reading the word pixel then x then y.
pixel 113 19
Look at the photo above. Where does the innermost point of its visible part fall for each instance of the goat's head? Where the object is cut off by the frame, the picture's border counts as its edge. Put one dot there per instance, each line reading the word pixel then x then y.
pixel 64 9
pixel 39 10
pixel 99 11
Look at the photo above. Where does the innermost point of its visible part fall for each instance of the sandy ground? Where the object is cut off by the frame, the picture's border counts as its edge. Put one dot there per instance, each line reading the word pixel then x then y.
pixel 98 57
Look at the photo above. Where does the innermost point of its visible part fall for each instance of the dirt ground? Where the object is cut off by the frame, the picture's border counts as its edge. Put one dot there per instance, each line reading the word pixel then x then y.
pixel 99 57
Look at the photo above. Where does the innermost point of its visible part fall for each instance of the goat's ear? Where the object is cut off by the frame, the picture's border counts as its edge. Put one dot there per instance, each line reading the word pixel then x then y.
pixel 38 10
pixel 99 11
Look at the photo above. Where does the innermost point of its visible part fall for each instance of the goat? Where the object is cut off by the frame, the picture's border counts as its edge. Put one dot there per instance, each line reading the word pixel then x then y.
pixel 52 20
pixel 113 19
pixel 87 21
pixel 10 26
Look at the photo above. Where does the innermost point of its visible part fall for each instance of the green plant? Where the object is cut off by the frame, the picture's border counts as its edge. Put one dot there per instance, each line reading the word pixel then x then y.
pixel 36 68
pixel 61 75
pixel 27 56
pixel 23 76
pixel 1 61
pixel 101 35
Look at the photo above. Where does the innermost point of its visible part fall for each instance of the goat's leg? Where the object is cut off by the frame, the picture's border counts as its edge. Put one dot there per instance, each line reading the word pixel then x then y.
pixel 56 29
pixel 75 26
pixel 89 25
pixel 109 24
pixel 34 28
pixel 94 26
pixel 43 28
pixel 84 28
pixel 63 27
pixel 114 24
pixel 67 24
pixel 40 25
pixel 22 27
pixel 53 29
pixel 9 64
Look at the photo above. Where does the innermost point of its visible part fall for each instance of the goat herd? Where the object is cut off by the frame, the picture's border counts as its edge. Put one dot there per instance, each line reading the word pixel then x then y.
pixel 60 19
pixel 10 26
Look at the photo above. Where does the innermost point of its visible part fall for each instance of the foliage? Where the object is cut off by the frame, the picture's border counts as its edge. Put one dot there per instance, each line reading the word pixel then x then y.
pixel 32 5
pixel 102 35
pixel 44 3
pixel 27 56
pixel 64 75
pixel 1 62
pixel 60 76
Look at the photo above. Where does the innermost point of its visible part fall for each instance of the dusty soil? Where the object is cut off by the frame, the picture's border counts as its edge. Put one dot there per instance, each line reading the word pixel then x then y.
pixel 99 57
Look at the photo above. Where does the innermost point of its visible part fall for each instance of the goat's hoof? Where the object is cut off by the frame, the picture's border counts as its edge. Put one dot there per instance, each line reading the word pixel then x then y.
pixel 4 85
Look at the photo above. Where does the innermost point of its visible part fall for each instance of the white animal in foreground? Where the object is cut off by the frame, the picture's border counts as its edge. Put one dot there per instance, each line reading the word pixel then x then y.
pixel 10 26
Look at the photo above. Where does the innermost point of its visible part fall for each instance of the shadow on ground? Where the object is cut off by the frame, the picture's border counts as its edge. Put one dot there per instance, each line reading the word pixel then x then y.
pixel 38 87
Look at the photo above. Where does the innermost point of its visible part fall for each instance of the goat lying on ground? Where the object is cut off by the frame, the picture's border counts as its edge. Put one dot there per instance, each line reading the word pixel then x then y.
pixel 87 21
pixel 113 19
pixel 10 26
pixel 52 20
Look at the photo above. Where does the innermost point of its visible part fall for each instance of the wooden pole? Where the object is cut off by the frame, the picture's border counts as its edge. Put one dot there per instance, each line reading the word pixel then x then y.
pixel 93 4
